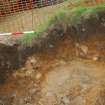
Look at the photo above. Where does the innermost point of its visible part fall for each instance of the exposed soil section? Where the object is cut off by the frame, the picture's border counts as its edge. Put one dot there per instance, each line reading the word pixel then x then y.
pixel 29 19
pixel 60 68
pixel 57 78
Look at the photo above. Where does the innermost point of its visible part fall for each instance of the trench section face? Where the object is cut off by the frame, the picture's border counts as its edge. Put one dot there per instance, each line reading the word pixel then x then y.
pixel 61 68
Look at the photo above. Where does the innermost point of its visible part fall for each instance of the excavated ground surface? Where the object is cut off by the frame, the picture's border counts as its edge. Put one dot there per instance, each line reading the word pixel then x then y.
pixel 57 77
pixel 64 68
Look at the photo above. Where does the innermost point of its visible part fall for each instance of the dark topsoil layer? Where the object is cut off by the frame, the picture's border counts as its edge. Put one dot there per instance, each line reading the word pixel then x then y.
pixel 14 55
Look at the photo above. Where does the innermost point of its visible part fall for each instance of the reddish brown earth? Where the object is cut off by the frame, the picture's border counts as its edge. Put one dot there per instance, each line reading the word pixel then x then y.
pixel 68 74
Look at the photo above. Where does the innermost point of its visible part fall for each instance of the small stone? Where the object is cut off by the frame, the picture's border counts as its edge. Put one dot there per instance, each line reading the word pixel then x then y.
pixel 29 72
pixel 83 29
pixel 51 46
pixel 23 69
pixel 84 49
pixel 14 75
pixel 81 49
pixel 33 61
pixel 38 75
pixel 32 91
pixel 95 58
pixel 66 100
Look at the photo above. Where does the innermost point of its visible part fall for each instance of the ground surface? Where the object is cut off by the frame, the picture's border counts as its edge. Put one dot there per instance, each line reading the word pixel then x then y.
pixel 56 77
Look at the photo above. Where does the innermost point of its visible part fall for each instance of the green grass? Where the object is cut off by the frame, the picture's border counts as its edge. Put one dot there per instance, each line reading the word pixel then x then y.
pixel 41 28
pixel 67 16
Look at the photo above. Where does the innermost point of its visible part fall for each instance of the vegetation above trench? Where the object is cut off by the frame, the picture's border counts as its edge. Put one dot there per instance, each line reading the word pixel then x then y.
pixel 66 16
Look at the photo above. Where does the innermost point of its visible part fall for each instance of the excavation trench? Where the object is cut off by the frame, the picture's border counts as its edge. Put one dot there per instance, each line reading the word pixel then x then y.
pixel 64 67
